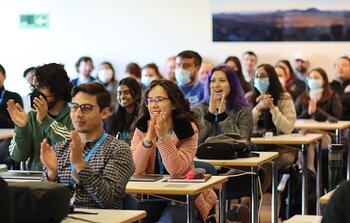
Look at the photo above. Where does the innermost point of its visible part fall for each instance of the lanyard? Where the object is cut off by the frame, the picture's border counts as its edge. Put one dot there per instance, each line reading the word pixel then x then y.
pixel 217 128
pixel 2 96
pixel 160 161
pixel 89 155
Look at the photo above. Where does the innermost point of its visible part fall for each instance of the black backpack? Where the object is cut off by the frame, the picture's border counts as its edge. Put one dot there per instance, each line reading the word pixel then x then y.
pixel 225 146
pixel 291 200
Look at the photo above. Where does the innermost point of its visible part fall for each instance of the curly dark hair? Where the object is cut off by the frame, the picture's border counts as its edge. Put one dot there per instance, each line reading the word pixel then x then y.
pixel 176 96
pixel 54 77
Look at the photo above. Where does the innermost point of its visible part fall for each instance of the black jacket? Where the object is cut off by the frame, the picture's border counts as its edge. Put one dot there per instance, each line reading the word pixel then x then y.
pixel 344 97
pixel 5 119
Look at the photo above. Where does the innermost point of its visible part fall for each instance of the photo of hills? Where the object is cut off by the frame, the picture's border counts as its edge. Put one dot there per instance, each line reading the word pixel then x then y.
pixel 310 24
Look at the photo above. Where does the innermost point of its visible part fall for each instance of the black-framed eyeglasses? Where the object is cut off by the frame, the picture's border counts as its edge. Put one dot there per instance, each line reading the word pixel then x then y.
pixel 84 108
pixel 157 100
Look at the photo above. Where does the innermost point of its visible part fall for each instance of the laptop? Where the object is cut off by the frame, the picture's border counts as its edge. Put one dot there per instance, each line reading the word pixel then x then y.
pixel 146 177
pixel 21 175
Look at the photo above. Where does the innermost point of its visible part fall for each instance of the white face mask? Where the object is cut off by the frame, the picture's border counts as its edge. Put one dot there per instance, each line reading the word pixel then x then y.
pixel 146 80
pixel 183 77
pixel 105 75
pixel 283 82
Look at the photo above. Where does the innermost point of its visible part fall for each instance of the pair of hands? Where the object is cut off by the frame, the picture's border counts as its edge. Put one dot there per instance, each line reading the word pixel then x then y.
pixel 312 107
pixel 20 117
pixel 157 127
pixel 49 158
pixel 215 104
pixel 265 101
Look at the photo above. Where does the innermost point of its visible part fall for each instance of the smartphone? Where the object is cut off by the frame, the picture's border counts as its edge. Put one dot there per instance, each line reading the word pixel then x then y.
pixel 35 94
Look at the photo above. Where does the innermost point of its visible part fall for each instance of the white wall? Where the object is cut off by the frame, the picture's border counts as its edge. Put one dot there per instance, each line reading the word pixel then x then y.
pixel 122 31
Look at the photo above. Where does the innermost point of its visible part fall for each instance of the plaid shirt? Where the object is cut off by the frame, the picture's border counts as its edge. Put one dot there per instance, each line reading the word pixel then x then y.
pixel 102 182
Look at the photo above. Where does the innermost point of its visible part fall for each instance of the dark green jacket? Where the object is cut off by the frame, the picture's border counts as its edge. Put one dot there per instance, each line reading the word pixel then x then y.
pixel 26 141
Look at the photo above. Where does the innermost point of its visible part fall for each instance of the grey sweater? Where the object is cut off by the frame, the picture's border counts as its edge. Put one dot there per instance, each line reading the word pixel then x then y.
pixel 228 122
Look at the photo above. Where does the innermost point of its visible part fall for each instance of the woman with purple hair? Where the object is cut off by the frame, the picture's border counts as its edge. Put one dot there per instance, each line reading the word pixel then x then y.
pixel 224 108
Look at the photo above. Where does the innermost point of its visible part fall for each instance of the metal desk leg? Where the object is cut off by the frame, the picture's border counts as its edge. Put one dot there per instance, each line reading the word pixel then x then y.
pixel 222 203
pixel 304 192
pixel 190 208
pixel 337 136
pixel 319 178
pixel 348 148
pixel 274 193
pixel 254 197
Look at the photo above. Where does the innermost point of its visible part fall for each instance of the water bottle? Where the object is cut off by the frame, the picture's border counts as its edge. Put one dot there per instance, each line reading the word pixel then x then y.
pixel 335 164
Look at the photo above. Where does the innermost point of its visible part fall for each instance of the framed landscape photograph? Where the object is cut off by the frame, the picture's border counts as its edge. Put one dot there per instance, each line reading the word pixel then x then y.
pixel 288 20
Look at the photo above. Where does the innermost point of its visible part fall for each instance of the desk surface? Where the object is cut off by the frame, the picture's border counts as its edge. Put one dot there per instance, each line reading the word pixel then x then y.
pixel 251 161
pixel 162 187
pixel 315 125
pixel 6 133
pixel 290 139
pixel 305 219
pixel 105 215
pixel 325 198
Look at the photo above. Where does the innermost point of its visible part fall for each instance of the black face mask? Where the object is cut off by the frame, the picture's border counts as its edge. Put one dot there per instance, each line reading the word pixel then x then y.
pixel 36 94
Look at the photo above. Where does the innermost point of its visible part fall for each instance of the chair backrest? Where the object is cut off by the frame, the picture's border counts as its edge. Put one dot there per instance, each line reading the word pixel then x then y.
pixel 209 168
pixel 130 202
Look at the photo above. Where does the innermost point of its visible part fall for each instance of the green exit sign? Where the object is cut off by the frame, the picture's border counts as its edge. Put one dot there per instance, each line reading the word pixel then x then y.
pixel 34 21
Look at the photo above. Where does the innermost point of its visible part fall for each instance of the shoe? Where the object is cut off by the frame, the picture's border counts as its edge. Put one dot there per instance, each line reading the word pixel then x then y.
pixel 238 213
pixel 283 182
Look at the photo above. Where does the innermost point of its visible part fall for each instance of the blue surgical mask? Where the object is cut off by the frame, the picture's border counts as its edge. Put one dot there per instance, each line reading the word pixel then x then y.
pixel 182 76
pixel 146 80
pixel 262 84
pixel 314 84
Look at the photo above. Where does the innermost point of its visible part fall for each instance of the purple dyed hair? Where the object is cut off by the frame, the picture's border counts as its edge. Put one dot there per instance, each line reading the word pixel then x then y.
pixel 235 100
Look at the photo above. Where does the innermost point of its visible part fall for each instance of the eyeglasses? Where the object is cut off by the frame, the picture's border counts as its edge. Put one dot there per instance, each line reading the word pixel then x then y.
pixel 157 100
pixel 85 108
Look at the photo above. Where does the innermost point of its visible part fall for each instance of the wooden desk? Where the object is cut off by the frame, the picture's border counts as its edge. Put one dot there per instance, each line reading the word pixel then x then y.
pixel 303 140
pixel 325 198
pixel 337 127
pixel 254 163
pixel 6 133
pixel 304 219
pixel 105 215
pixel 161 187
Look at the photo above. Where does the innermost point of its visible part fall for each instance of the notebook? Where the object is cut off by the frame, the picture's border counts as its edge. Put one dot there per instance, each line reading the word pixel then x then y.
pixel 146 177
pixel 21 175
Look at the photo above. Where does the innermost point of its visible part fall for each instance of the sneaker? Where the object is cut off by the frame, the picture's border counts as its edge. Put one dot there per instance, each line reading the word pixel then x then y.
pixel 283 182
pixel 238 213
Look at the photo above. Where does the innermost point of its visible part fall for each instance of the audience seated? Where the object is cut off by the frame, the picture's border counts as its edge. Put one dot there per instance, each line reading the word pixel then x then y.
pixel 129 97
pixel 235 63
pixel 165 142
pixel 301 66
pixel 273 111
pixel 169 69
pixel 106 75
pixel 94 165
pixel 149 73
pixel 28 74
pixel 293 85
pixel 188 64
pixel 249 62
pixel 49 119
pixel 133 70
pixel 341 84
pixel 84 67
pixel 320 103
pixel 5 119
pixel 204 70
pixel 224 108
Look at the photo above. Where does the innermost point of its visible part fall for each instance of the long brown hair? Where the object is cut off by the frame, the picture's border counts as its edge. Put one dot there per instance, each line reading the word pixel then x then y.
pixel 327 90
pixel 177 98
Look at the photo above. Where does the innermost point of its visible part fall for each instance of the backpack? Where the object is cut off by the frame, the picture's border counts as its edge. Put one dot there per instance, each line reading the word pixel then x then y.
pixel 291 200
pixel 225 146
